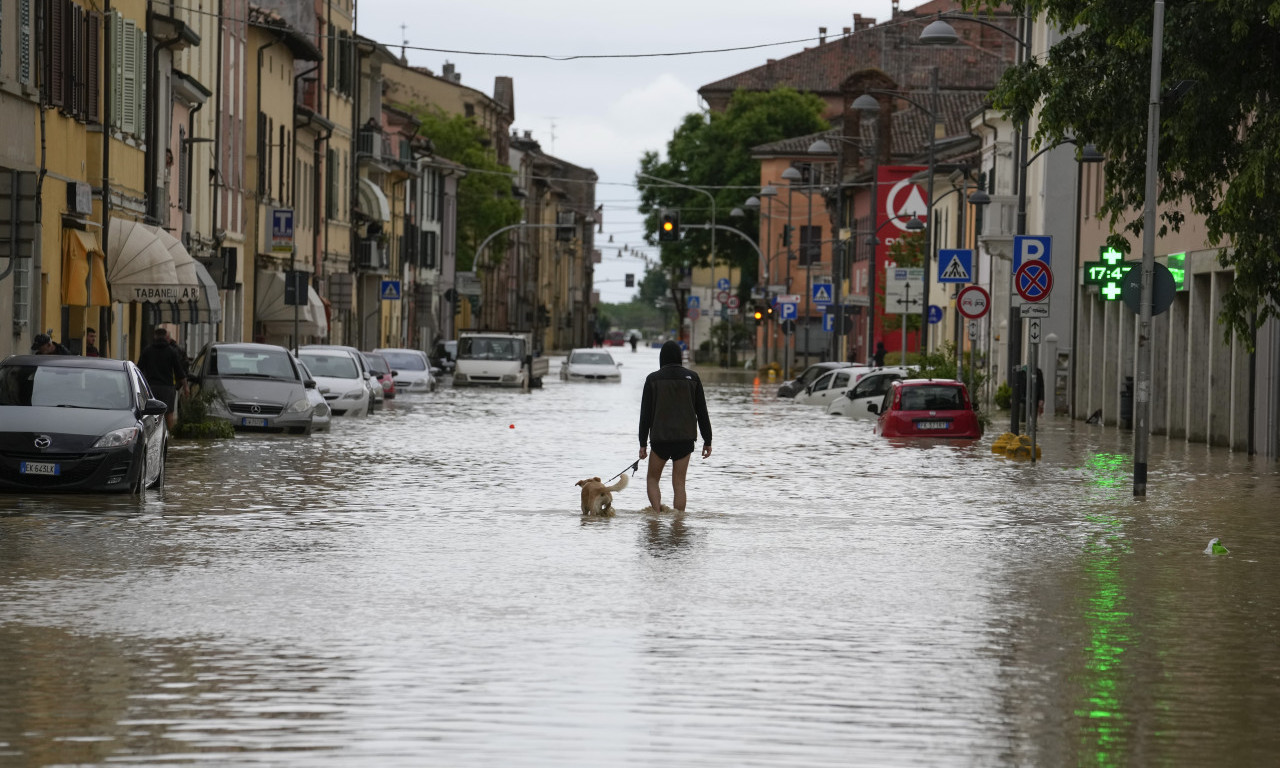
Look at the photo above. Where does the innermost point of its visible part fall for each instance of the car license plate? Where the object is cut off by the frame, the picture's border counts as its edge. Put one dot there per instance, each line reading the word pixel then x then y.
pixel 933 425
pixel 40 468
pixel 253 422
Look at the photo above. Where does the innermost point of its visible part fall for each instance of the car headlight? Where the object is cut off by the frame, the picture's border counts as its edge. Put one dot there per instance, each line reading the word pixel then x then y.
pixel 354 394
pixel 119 438
pixel 299 406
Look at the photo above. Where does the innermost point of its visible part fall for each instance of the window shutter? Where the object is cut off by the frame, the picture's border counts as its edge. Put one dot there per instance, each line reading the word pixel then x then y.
pixel 24 42
pixel 92 79
pixel 55 52
pixel 115 68
pixel 128 76
pixel 140 77
pixel 331 184
pixel 264 156
pixel 73 64
pixel 329 61
pixel 183 152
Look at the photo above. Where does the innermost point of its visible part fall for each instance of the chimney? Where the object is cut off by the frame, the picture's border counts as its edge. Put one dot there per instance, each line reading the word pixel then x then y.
pixel 846 31
pixel 447 71
pixel 822 35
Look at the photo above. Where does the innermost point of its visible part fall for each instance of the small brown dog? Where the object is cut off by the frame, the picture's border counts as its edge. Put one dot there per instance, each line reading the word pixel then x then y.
pixel 597 498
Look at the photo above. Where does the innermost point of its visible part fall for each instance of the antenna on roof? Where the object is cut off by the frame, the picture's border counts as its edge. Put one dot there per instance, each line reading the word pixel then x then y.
pixel 404 41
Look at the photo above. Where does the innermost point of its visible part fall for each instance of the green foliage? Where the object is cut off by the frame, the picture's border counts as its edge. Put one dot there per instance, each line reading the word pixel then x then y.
pixel 636 313
pixel 714 150
pixel 1219 138
pixel 194 421
pixel 942 365
pixel 485 202
pixel 1004 396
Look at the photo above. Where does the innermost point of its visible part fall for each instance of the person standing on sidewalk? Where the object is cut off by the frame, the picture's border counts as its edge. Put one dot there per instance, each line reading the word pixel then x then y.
pixel 166 372
pixel 673 410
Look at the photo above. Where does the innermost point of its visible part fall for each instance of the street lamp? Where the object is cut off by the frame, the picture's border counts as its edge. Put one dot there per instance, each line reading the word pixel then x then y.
pixel 940 32
pixel 869 104
pixel 712 198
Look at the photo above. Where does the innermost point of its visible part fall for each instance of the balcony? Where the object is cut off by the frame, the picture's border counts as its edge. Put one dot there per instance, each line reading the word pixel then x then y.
pixel 999 222
pixel 369 143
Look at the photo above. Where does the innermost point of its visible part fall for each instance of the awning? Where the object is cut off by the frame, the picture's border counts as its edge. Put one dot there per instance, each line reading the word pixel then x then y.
pixel 277 317
pixel 373 203
pixel 209 301
pixel 141 265
pixel 84 270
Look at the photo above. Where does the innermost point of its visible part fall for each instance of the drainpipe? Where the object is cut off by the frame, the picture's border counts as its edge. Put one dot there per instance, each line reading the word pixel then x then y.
pixel 154 205
pixel 217 135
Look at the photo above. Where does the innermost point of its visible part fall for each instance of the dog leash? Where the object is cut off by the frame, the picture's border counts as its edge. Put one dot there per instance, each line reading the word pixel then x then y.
pixel 635 465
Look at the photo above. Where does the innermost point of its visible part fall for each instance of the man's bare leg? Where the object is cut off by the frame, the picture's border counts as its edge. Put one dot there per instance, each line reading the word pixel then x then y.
pixel 679 468
pixel 652 479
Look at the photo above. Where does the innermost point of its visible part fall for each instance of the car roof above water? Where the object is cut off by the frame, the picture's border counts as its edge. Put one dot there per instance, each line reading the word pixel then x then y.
pixel 67 361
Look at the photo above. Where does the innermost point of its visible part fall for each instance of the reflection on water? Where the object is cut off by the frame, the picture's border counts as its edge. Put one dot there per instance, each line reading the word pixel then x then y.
pixel 420 588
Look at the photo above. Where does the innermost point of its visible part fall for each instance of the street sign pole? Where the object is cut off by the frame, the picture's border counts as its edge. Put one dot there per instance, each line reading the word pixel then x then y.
pixel 903 319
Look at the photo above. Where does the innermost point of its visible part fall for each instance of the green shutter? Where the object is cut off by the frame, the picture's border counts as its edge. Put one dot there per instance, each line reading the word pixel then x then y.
pixel 140 47
pixel 24 42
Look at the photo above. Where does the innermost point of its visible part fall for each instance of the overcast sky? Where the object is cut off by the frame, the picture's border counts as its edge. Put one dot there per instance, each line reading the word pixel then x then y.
pixel 604 113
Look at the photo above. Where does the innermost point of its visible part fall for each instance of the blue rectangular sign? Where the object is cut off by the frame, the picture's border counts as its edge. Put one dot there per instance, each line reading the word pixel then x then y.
pixel 955 265
pixel 390 290
pixel 787 310
pixel 1031 248
pixel 823 294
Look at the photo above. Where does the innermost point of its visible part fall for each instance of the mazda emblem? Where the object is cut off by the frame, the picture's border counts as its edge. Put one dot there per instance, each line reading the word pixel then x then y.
pixel 43 442
pixel 255 409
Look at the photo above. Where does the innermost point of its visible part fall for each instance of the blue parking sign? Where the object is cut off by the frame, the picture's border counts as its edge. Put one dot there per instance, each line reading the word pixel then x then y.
pixel 787 310
pixel 1031 248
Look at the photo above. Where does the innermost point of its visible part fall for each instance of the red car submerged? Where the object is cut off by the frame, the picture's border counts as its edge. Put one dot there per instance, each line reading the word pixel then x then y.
pixel 379 367
pixel 927 408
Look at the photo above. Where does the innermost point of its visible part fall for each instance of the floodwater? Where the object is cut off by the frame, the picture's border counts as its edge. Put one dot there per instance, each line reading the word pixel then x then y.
pixel 419 588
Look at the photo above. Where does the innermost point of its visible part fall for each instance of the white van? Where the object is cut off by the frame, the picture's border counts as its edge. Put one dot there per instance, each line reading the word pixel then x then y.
pixel 495 359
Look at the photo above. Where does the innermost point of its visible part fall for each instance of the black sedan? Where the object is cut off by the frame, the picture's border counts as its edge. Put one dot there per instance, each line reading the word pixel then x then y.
pixel 78 424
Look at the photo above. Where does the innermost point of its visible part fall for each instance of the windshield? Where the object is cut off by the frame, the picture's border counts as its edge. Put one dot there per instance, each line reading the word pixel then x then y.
pixel 376 364
pixel 591 358
pixel 258 364
pixel 404 361
pixel 64 387
pixel 332 366
pixel 490 348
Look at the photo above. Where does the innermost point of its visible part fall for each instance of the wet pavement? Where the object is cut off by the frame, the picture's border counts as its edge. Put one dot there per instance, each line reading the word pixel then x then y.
pixel 420 588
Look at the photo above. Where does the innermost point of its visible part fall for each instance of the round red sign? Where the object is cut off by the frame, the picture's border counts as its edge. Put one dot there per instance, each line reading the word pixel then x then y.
pixel 973 301
pixel 1033 281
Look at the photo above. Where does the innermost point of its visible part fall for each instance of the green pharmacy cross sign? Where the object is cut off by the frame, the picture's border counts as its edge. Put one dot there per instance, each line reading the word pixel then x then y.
pixel 1107 272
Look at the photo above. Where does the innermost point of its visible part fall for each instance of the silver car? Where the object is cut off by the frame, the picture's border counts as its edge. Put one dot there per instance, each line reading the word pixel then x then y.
pixel 257 387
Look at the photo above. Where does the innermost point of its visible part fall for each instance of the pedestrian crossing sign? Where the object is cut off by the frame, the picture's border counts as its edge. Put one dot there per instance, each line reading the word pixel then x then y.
pixel 390 290
pixel 955 265
pixel 822 294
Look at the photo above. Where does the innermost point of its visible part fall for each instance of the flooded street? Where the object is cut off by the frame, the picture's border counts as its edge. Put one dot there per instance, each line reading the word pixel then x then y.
pixel 421 589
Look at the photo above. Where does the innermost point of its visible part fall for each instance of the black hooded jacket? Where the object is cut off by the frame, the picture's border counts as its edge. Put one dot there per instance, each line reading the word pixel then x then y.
pixel 673 406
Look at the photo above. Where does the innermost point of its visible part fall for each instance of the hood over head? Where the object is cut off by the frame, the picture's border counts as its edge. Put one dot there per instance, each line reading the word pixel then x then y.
pixel 670 354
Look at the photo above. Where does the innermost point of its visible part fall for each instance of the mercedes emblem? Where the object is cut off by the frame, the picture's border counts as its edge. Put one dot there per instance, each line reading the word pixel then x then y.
pixel 255 408
pixel 43 441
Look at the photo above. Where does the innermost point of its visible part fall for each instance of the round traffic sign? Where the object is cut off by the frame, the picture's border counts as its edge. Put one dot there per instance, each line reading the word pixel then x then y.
pixel 973 301
pixel 935 314
pixel 722 296
pixel 693 313
pixel 732 302
pixel 1033 281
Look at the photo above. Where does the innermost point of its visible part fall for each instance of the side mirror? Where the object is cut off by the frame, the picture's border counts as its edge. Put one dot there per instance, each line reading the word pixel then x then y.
pixel 873 408
pixel 309 383
pixel 395 373
pixel 154 407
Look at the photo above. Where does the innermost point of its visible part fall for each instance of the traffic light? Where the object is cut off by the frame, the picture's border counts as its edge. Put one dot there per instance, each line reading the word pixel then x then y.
pixel 669 227
pixel 786 235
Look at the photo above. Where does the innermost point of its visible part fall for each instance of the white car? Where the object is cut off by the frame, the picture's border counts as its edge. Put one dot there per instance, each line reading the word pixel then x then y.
pixel 370 378
pixel 830 385
pixel 871 388
pixel 340 379
pixel 590 365
pixel 320 410
pixel 410 368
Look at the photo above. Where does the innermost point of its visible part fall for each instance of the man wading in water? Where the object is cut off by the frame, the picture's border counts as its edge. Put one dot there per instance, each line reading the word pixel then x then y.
pixel 673 410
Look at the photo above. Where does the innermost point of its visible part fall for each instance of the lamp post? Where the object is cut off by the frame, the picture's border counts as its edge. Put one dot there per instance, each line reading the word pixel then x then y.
pixel 1142 380
pixel 769 192
pixel 870 104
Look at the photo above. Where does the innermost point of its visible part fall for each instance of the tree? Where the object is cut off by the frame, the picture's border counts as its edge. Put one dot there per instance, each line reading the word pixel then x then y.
pixel 713 151
pixel 485 203
pixel 1219 137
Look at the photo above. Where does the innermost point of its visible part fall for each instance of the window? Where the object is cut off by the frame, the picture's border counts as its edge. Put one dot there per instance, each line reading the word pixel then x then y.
pixel 69 56
pixel 128 74
pixel 330 183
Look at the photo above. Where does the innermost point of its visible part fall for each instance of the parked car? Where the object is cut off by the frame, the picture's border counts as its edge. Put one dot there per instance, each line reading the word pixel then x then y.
pixel 411 369
pixel 338 378
pixel 615 339
pixel 869 389
pixel 590 365
pixel 792 387
pixel 831 385
pixel 371 381
pixel 70 423
pixel 256 387
pixel 444 355
pixel 382 370
pixel 927 408
pixel 321 414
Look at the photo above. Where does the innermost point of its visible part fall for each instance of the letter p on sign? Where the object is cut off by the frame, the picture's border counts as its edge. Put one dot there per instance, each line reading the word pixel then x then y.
pixel 1031 248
